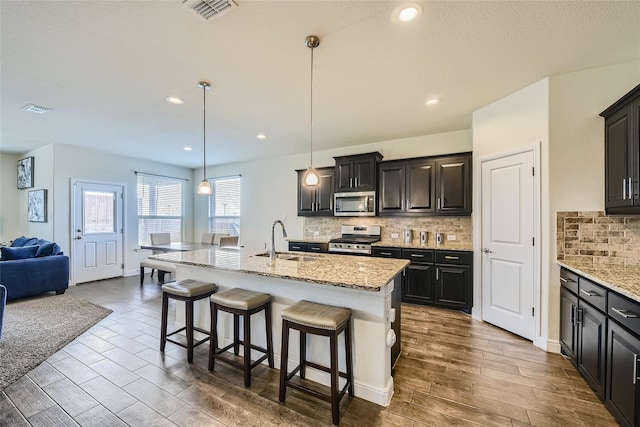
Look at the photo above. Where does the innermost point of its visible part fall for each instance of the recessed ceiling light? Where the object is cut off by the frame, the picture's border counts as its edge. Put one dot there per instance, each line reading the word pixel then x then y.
pixel 187 148
pixel 432 101
pixel 261 136
pixel 174 100
pixel 406 13
pixel 38 109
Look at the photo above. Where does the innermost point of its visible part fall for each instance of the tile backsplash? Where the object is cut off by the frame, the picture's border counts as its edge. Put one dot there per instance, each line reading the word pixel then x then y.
pixel 329 227
pixel 594 237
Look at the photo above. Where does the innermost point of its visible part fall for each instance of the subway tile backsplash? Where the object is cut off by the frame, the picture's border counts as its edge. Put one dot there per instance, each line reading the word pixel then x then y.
pixel 594 237
pixel 329 227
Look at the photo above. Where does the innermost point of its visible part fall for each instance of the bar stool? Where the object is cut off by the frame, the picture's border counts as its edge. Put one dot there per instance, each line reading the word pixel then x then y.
pixel 187 291
pixel 243 303
pixel 324 320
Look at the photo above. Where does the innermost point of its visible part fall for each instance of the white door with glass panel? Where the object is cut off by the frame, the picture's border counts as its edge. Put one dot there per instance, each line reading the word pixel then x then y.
pixel 97 231
pixel 508 258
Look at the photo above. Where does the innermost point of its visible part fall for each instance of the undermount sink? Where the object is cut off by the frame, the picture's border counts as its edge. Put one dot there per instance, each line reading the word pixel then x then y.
pixel 290 257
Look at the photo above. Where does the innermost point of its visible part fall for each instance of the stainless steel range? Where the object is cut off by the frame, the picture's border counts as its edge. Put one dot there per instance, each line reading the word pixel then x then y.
pixel 356 239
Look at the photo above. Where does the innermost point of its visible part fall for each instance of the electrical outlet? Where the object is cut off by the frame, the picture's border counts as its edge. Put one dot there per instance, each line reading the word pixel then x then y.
pixel 394 235
pixel 316 233
pixel 451 237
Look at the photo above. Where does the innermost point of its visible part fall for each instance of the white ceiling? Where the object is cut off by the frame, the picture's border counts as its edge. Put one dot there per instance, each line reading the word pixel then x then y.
pixel 105 68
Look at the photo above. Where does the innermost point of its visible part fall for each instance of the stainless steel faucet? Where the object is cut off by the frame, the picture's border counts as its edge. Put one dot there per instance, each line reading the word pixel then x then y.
pixel 272 255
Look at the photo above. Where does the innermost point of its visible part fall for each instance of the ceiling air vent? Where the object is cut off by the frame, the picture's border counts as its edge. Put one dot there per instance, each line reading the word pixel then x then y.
pixel 38 109
pixel 211 8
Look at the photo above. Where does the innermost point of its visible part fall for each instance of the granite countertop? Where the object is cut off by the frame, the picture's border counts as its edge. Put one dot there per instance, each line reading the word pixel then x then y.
pixel 622 279
pixel 356 272
pixel 448 245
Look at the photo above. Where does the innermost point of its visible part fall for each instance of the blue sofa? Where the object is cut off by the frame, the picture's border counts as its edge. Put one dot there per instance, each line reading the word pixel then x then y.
pixel 32 266
pixel 3 301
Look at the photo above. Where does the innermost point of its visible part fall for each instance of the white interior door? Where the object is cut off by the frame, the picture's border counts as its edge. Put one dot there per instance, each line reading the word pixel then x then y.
pixel 508 259
pixel 97 231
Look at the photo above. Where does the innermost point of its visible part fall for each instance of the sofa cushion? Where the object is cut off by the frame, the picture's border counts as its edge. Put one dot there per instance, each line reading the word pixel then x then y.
pixel 20 241
pixel 46 249
pixel 11 253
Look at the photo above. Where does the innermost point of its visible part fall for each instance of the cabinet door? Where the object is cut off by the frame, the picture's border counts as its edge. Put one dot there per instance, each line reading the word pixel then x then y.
pixel 453 286
pixel 391 194
pixel 591 346
pixel 568 331
pixel 420 187
pixel 619 150
pixel 454 185
pixel 344 175
pixel 623 375
pixel 364 174
pixel 418 284
pixel 306 197
pixel 324 193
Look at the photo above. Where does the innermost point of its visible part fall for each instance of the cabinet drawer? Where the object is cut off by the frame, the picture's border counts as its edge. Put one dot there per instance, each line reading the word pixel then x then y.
pixel 625 311
pixel 298 246
pixel 453 257
pixel 387 252
pixel 593 293
pixel 569 280
pixel 317 247
pixel 418 255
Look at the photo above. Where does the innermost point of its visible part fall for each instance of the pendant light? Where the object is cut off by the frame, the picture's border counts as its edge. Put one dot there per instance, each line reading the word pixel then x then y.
pixel 204 187
pixel 311 178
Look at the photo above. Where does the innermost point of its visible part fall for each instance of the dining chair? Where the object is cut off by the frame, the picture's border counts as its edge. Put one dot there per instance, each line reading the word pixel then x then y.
pixel 217 237
pixel 229 241
pixel 159 239
pixel 207 238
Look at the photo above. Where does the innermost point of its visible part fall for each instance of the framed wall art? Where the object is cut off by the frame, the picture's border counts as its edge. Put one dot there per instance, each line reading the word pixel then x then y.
pixel 37 208
pixel 25 173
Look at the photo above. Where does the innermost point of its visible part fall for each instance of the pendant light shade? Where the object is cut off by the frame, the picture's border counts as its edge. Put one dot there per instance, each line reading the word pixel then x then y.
pixel 311 178
pixel 205 186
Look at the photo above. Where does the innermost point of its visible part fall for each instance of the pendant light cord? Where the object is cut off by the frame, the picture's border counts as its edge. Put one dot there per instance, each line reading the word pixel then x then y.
pixel 311 108
pixel 204 132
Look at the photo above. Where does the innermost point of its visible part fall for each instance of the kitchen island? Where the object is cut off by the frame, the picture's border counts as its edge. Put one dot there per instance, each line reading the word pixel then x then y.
pixel 369 286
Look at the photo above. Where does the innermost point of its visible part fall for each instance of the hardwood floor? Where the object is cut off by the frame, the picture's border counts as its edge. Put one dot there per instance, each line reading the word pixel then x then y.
pixel 453 371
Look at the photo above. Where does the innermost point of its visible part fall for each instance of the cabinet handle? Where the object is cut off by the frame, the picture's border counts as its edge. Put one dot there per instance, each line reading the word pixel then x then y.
pixel 437 274
pixel 630 189
pixel 438 202
pixel 579 316
pixel 315 249
pixel 590 293
pixel 356 182
pixel 624 313
pixel 624 189
pixel 451 257
pixel 385 253
pixel 417 256
pixel 350 182
pixel 573 314
pixel 563 280
pixel 635 368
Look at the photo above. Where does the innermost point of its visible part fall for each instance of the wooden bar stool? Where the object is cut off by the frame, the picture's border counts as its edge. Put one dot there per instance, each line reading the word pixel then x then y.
pixel 328 321
pixel 243 303
pixel 187 291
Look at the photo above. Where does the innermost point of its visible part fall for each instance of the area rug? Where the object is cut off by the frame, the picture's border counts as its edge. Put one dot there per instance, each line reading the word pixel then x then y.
pixel 35 328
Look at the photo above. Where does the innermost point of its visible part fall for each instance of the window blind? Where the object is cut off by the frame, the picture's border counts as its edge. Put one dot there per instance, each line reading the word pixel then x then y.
pixel 160 206
pixel 224 205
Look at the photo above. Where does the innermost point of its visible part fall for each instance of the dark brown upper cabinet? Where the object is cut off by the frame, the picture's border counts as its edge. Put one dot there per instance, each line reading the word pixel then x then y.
pixel 622 154
pixel 357 172
pixel 425 186
pixel 318 200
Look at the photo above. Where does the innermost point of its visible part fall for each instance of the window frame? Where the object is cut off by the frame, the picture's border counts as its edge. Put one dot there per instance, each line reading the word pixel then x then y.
pixel 211 207
pixel 156 180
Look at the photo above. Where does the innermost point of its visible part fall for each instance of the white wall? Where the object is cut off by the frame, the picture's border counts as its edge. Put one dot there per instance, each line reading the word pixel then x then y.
pixel 10 225
pixel 516 121
pixel 269 186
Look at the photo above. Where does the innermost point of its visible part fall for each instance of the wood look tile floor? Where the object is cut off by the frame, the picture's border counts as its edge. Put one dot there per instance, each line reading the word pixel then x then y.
pixel 453 371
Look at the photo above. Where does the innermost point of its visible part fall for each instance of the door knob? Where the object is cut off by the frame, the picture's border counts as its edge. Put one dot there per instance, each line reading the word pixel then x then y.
pixel 487 251
pixel 79 231
pixel 79 238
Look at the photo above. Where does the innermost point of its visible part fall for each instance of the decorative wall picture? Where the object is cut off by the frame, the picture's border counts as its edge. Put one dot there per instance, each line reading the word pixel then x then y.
pixel 37 209
pixel 25 173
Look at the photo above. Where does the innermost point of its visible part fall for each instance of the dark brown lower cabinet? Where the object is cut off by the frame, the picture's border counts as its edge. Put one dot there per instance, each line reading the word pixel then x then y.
pixel 452 286
pixel 568 326
pixel 592 327
pixel 623 373
pixel 418 286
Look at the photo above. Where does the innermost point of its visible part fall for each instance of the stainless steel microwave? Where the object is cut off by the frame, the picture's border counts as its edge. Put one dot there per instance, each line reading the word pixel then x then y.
pixel 361 203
